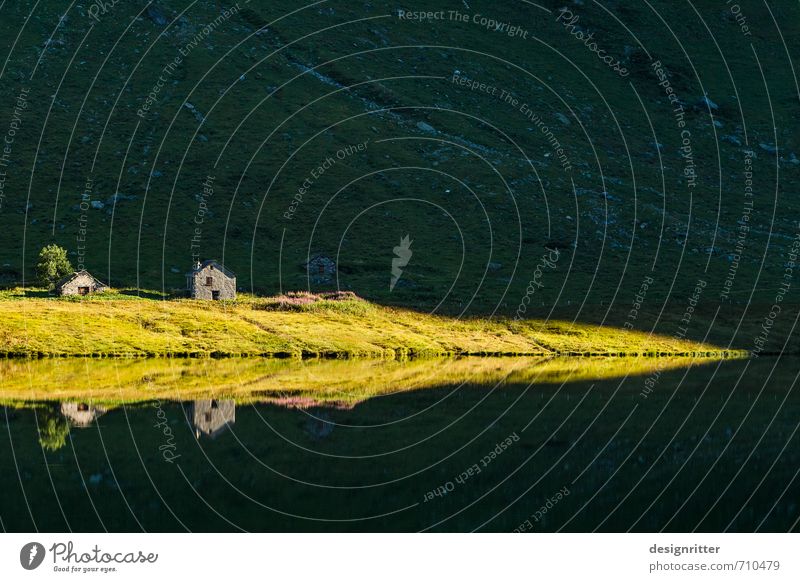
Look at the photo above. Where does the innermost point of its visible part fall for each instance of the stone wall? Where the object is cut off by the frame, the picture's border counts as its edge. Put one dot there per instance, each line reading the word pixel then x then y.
pixel 199 289
pixel 81 280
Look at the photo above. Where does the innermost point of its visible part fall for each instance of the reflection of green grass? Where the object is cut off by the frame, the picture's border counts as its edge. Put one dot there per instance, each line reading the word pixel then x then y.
pixel 292 383
pixel 675 445
pixel 101 326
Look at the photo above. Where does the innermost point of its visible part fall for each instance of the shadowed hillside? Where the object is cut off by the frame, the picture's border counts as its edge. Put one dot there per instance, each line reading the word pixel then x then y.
pixel 151 134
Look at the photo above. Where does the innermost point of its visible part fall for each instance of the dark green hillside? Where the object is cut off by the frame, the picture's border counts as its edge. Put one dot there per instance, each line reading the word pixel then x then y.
pixel 264 94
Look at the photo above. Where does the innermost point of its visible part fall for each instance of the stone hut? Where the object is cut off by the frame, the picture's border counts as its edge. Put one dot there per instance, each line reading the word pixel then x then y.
pixel 211 280
pixel 80 283
pixel 212 417
pixel 320 268
pixel 81 414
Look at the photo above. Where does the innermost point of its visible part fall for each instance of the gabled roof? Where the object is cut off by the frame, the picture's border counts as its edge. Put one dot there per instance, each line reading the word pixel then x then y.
pixel 81 415
pixel 64 280
pixel 216 264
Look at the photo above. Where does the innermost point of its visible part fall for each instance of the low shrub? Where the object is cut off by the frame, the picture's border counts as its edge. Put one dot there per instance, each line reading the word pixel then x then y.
pixel 298 301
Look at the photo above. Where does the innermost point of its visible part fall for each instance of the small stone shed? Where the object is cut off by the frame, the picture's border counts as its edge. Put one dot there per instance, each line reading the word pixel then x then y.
pixel 212 417
pixel 320 268
pixel 81 414
pixel 211 280
pixel 80 283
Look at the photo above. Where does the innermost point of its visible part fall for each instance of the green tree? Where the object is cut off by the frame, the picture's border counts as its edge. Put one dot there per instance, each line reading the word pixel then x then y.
pixel 53 265
pixel 53 428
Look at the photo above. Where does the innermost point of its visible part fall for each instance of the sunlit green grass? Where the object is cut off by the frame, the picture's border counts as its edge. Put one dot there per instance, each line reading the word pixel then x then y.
pixel 116 325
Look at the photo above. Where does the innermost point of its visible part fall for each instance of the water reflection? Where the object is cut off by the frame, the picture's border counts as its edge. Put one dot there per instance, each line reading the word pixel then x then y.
pixel 212 417
pixel 339 383
pixel 713 446
pixel 81 414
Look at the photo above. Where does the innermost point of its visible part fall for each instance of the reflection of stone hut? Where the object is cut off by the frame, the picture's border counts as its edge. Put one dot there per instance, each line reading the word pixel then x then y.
pixel 320 268
pixel 211 280
pixel 81 414
pixel 212 417
pixel 79 283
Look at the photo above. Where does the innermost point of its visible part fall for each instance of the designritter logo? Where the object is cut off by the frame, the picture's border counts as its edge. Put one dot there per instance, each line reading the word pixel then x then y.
pixel 31 555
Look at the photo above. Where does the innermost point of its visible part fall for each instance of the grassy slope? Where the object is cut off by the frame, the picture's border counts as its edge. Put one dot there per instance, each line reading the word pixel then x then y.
pixel 252 326
pixel 147 240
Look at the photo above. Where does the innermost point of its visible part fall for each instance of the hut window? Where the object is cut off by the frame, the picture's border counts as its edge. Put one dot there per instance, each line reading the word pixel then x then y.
pixel 83 290
pixel 209 281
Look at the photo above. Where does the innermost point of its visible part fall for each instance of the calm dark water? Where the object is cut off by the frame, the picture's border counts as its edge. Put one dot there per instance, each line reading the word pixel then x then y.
pixel 711 448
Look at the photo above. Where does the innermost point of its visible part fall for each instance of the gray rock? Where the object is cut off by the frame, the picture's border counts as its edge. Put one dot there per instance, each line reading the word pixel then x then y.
pixel 97 205
pixel 705 104
pixel 768 148
pixel 563 118
pixel 732 139
pixel 195 112
pixel 117 198
pixel 425 127
pixel 157 15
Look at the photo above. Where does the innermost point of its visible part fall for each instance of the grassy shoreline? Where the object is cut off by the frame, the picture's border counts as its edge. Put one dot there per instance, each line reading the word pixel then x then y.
pixel 113 325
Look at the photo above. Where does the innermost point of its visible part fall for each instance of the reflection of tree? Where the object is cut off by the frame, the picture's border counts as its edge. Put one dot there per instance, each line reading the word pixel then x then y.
pixel 53 428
